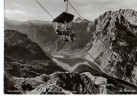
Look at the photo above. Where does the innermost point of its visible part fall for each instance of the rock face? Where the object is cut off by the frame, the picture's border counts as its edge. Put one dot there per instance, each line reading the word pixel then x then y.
pixel 114 44
pixel 57 83
pixel 67 83
pixel 102 79
pixel 72 83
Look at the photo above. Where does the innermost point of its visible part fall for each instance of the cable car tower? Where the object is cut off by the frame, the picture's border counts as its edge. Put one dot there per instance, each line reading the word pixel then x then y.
pixel 62 27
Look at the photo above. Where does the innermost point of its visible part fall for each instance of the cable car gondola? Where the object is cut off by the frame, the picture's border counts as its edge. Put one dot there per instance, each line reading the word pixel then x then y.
pixel 63 25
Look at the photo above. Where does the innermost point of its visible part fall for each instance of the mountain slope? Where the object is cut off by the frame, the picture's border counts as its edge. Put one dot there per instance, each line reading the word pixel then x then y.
pixel 114 45
pixel 24 58
pixel 19 46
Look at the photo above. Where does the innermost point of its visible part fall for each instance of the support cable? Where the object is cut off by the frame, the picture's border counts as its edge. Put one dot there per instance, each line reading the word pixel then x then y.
pixel 75 40
pixel 88 53
pixel 89 26
pixel 92 30
pixel 45 9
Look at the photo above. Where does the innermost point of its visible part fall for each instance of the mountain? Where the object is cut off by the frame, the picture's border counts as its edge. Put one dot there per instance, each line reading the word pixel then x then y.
pixel 78 20
pixel 24 58
pixel 43 33
pixel 19 46
pixel 114 45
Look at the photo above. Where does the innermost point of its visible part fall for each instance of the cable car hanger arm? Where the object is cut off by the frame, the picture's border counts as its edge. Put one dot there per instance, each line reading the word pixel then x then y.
pixel 66 5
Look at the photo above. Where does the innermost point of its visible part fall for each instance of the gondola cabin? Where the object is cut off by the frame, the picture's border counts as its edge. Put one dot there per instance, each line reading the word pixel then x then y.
pixel 63 25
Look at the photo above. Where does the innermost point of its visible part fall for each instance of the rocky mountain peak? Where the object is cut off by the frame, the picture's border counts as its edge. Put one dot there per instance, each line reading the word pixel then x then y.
pixel 124 16
pixel 78 19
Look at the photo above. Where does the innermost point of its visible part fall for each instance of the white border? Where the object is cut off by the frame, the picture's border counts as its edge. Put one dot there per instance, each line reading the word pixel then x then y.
pixel 44 97
pixel 1 44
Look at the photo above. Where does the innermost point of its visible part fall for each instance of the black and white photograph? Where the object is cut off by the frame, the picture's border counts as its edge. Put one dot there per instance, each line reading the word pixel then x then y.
pixel 70 47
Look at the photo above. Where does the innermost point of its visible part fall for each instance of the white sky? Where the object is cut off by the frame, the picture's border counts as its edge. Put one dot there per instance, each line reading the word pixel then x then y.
pixel 23 10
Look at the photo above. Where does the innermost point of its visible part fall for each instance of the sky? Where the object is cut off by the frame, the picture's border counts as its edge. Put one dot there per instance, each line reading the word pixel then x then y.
pixel 23 10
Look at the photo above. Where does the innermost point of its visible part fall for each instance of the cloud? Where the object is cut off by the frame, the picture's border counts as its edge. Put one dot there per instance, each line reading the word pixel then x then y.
pixel 16 15
pixel 89 9
pixel 15 11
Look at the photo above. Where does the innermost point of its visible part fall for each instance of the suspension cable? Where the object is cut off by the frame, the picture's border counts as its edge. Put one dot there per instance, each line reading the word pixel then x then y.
pixel 91 29
pixel 75 10
pixel 88 53
pixel 88 25
pixel 45 9
pixel 75 40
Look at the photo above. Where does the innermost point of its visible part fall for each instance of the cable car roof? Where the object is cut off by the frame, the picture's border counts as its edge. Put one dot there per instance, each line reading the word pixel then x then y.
pixel 64 17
